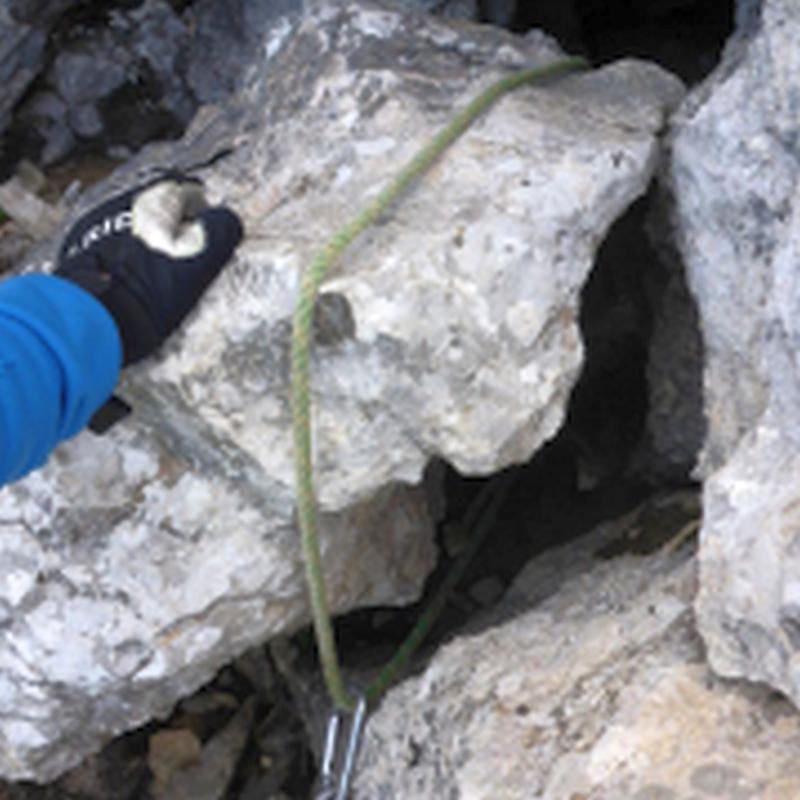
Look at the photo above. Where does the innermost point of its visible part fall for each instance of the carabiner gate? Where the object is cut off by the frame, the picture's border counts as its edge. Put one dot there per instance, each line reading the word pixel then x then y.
pixel 338 760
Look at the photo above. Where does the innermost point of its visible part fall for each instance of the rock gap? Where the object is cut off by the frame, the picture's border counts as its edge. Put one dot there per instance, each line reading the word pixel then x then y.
pixel 601 464
pixel 603 461
pixel 683 36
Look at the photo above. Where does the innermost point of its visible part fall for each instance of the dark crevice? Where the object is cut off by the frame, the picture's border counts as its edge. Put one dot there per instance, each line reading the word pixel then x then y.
pixel 683 36
pixel 600 465
pixel 608 407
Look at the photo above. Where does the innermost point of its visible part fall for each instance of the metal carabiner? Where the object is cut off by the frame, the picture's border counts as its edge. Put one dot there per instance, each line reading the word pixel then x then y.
pixel 338 763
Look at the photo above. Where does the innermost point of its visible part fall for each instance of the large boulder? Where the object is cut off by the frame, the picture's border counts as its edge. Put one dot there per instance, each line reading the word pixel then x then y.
pixel 735 175
pixel 594 685
pixel 136 564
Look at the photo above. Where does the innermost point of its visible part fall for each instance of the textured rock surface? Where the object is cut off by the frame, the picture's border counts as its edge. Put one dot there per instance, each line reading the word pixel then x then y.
pixel 35 12
pixel 676 424
pixel 21 59
pixel 136 564
pixel 460 9
pixel 735 176
pixel 599 691
pixel 130 576
pixel 227 39
pixel 124 76
pixel 117 81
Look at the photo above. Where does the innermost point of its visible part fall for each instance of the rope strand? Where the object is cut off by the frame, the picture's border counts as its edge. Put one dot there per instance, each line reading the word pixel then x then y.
pixel 301 349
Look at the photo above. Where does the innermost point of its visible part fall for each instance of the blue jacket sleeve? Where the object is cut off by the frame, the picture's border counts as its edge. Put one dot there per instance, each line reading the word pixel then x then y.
pixel 60 357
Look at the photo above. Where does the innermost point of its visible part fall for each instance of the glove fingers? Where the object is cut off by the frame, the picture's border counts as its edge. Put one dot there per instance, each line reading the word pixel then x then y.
pixel 164 218
pixel 223 231
pixel 182 281
pixel 115 215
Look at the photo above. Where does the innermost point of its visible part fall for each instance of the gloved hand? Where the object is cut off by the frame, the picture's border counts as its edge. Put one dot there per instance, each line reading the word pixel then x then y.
pixel 148 255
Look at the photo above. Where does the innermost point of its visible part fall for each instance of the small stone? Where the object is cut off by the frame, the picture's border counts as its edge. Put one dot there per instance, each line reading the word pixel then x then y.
pixel 47 114
pixel 486 592
pixel 171 751
pixel 85 77
pixel 207 776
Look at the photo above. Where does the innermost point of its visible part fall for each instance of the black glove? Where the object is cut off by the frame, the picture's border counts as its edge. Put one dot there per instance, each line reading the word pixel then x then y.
pixel 148 255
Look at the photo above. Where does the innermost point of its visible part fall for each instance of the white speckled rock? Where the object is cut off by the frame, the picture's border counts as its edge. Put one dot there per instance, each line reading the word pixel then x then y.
pixel 735 176
pixel 135 565
pixel 599 691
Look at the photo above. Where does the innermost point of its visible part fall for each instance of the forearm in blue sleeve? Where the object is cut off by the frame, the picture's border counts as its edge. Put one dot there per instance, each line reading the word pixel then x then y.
pixel 60 357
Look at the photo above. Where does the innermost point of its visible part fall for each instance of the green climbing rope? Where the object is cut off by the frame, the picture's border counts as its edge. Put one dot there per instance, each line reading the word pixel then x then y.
pixel 301 347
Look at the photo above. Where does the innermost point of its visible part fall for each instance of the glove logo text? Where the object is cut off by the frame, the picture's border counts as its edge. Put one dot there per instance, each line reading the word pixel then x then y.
pixel 108 227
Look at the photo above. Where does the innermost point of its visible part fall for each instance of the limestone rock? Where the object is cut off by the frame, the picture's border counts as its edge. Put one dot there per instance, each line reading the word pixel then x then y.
pixel 735 175
pixel 598 691
pixel 130 574
pixel 136 564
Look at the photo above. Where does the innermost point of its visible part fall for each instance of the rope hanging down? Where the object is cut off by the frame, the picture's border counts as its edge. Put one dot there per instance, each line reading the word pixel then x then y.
pixel 300 393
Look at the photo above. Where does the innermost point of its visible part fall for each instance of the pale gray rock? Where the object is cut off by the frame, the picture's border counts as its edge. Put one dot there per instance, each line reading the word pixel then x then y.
pixel 47 113
pixel 86 75
pixel 136 564
pixel 595 688
pixel 21 204
pixel 131 573
pixel 735 174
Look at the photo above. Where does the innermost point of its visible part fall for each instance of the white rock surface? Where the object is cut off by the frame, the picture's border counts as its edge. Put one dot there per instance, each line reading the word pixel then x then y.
pixel 595 688
pixel 735 177
pixel 135 565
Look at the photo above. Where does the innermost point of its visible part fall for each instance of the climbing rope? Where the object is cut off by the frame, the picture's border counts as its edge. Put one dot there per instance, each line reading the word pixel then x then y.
pixel 301 404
